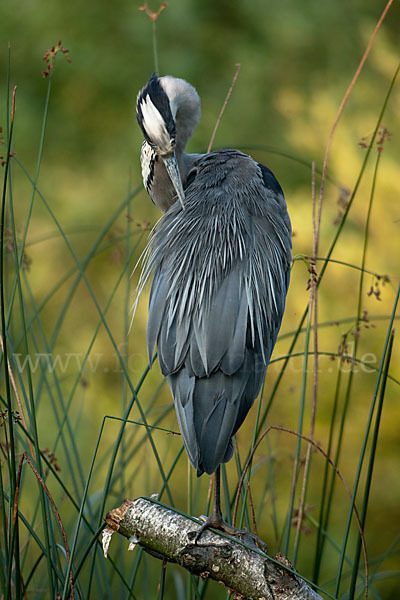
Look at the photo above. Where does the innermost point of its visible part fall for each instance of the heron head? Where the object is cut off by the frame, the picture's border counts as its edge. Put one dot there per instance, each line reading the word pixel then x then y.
pixel 154 115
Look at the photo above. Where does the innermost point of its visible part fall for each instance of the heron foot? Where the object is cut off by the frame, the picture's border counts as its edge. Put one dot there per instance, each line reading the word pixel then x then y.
pixel 217 522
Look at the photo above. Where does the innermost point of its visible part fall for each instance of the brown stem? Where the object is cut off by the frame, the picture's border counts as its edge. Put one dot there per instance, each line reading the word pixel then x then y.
pixel 223 108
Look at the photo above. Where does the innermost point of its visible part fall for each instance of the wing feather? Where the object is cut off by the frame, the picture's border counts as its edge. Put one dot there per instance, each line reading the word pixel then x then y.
pixel 157 301
pixel 222 270
pixel 182 388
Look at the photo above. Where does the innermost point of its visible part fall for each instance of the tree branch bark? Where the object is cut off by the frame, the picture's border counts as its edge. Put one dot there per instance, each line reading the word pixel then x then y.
pixel 245 570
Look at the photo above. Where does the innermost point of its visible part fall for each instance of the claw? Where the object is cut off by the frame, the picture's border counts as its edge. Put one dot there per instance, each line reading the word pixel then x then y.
pixel 216 522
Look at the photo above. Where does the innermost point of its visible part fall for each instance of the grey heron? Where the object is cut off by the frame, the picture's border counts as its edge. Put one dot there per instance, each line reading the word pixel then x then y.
pixel 221 258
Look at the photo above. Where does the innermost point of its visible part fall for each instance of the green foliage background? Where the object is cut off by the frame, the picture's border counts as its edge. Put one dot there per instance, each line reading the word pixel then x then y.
pixel 297 59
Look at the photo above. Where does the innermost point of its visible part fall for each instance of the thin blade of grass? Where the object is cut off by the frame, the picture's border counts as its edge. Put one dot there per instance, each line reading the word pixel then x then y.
pixel 13 541
pixel 295 471
pixel 320 545
pixel 371 466
pixel 364 445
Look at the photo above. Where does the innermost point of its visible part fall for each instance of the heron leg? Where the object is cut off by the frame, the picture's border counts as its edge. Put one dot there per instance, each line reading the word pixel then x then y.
pixel 216 521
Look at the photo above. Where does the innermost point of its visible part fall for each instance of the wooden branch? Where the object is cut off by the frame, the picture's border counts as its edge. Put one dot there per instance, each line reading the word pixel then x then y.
pixel 245 570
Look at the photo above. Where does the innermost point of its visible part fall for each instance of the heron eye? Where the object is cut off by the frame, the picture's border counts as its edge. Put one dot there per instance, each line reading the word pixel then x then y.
pixel 191 177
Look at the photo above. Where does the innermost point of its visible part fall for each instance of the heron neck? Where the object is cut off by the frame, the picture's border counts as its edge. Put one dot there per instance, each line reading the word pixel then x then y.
pixel 162 191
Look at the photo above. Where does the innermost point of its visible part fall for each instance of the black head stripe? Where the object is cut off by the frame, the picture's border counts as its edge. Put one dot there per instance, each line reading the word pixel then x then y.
pixel 150 177
pixel 160 100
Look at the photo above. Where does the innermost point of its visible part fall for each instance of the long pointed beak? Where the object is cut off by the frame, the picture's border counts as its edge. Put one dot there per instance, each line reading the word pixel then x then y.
pixel 172 169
